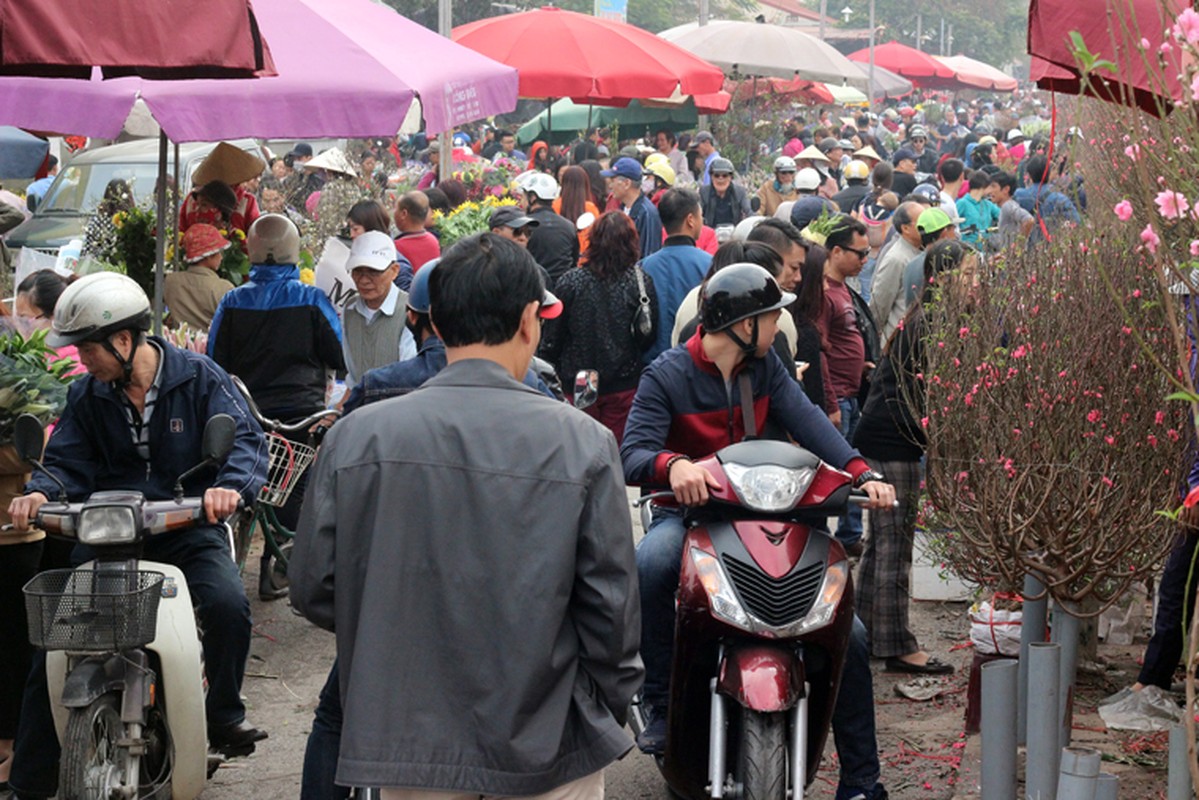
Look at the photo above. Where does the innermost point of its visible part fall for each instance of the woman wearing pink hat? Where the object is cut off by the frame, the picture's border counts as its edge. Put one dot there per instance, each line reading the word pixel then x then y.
pixel 193 295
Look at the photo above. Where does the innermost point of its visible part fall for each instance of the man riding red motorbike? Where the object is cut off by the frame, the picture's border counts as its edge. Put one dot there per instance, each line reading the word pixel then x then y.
pixel 688 406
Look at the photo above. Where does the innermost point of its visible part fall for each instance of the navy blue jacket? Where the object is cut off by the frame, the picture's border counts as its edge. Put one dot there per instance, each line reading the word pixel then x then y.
pixel 280 336
pixel 91 448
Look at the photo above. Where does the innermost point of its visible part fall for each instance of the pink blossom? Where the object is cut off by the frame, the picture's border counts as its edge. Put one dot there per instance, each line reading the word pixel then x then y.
pixel 1173 435
pixel 1152 440
pixel 1159 418
pixel 1133 151
pixel 1127 331
pixel 924 422
pixel 1094 415
pixel 1150 238
pixel 1110 439
pixel 1164 48
pixel 1195 87
pixel 1136 294
pixel 1187 26
pixel 1171 204
pixel 1107 482
pixel 963 332
pixel 1145 45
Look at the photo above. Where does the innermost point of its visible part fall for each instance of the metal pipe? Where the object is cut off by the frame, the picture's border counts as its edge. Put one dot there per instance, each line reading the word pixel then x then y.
pixel 445 27
pixel 998 772
pixel 799 744
pixel 717 740
pixel 1080 769
pixel 1032 629
pixel 1107 787
pixel 1178 781
pixel 1043 754
pixel 870 77
pixel 160 235
pixel 1066 630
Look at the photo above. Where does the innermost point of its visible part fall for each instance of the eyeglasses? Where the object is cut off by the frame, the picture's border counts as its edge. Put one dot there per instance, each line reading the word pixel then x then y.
pixel 525 231
pixel 863 254
pixel 722 174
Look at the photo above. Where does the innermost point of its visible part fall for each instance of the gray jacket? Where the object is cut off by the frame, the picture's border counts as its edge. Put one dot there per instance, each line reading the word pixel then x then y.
pixel 471 544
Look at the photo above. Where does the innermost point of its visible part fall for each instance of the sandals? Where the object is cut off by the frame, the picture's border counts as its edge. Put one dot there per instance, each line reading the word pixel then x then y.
pixel 933 666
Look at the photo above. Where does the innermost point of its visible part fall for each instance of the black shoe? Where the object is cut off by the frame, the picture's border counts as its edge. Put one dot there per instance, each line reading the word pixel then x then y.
pixel 652 739
pixel 266 587
pixel 855 550
pixel 235 740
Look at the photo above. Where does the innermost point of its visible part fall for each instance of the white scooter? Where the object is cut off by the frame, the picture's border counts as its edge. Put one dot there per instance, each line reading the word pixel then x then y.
pixel 124 663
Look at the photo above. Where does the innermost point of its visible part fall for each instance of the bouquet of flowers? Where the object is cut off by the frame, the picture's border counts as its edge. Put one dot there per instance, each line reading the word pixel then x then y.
pixel 30 383
pixel 484 179
pixel 134 247
pixel 235 264
pixel 468 219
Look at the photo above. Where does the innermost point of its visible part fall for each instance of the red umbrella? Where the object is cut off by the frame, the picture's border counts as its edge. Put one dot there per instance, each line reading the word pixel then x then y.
pixel 67 38
pixel 563 54
pixel 1145 77
pixel 924 71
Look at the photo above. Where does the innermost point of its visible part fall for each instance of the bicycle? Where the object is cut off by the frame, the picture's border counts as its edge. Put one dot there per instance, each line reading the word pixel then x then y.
pixel 288 461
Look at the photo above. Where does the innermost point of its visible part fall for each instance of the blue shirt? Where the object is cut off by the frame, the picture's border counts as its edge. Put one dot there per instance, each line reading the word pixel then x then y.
pixel 977 217
pixel 1049 205
pixel 649 225
pixel 676 269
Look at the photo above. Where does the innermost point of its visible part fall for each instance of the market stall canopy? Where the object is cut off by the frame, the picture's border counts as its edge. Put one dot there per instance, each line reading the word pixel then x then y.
pixel 1146 78
pixel 564 54
pixel 979 74
pixel 924 71
pixel 887 85
pixel 336 77
pixel 758 49
pixel 21 153
pixel 635 120
pixel 66 38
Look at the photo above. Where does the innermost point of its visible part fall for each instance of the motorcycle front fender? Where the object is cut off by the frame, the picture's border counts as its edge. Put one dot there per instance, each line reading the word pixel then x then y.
pixel 762 677
pixel 91 679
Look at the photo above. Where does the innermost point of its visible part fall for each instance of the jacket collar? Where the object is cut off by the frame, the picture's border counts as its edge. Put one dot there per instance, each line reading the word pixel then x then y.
pixel 478 372
pixel 267 273
pixel 695 346
pixel 679 240
pixel 174 371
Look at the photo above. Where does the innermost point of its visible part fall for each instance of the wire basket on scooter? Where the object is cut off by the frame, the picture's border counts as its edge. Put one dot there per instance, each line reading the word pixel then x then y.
pixel 92 610
pixel 288 461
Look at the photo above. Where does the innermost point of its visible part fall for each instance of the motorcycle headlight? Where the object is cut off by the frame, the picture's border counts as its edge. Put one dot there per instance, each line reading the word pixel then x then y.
pixel 720 590
pixel 107 525
pixel 836 577
pixel 769 487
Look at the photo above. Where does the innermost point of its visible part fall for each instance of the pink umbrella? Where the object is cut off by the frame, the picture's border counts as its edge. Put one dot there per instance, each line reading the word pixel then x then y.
pixel 335 78
pixel 979 74
pixel 924 71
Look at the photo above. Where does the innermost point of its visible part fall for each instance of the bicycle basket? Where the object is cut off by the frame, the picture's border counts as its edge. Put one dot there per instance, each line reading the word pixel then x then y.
pixel 88 610
pixel 288 461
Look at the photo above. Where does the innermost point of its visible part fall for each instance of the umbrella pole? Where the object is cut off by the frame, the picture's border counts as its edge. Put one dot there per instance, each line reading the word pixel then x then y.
pixel 549 120
pixel 753 129
pixel 160 235
pixel 175 205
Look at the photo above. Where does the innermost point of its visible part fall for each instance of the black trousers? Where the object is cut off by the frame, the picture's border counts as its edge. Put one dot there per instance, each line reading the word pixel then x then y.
pixel 1175 605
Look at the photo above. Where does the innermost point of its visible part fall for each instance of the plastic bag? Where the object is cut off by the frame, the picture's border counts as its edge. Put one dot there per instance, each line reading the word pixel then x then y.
pixel 995 631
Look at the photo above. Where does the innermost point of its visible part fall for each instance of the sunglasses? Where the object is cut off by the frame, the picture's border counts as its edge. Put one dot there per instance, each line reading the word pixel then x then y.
pixel 722 174
pixel 863 254
pixel 526 231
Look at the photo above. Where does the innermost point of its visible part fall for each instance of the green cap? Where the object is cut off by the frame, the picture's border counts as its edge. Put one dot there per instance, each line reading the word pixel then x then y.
pixel 932 220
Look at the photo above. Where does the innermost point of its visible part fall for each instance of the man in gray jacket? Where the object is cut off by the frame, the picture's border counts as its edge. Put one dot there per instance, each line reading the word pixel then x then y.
pixel 471 545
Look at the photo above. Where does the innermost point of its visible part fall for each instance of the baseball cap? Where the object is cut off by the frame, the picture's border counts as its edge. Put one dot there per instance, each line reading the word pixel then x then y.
pixel 302 150
pixel 1015 135
pixel 510 217
pixel 373 249
pixel 807 180
pixel 828 143
pixel 705 136
pixel 933 220
pixel 624 168
pixel 856 171
pixel 904 154
pixel 722 165
pixel 845 144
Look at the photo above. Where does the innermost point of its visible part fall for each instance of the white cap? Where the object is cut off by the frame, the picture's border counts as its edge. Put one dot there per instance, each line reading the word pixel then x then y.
pixel 373 249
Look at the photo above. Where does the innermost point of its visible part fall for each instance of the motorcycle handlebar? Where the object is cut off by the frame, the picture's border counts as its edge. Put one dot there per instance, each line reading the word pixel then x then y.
pixel 856 497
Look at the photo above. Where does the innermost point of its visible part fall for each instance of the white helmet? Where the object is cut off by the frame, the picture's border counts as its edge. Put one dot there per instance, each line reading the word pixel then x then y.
pixel 541 185
pixel 784 164
pixel 273 239
pixel 97 306
pixel 808 180
pixel 745 227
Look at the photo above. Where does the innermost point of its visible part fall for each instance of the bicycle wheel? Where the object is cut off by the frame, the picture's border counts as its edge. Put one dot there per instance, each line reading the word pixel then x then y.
pixel 94 766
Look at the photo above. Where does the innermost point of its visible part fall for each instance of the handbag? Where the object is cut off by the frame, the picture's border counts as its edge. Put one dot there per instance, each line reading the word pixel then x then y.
pixel 642 326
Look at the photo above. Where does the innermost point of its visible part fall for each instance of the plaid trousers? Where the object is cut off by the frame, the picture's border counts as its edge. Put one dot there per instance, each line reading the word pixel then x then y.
pixel 883 590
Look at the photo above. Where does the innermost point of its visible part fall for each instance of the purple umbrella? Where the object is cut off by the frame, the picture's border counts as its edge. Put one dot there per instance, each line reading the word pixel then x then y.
pixel 346 68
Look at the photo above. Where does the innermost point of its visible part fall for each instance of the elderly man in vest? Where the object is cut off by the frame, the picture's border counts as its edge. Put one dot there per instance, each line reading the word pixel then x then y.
pixel 374 333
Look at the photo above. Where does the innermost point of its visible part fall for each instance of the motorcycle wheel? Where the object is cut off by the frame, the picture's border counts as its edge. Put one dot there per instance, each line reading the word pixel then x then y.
pixel 93 766
pixel 762 756
pixel 158 762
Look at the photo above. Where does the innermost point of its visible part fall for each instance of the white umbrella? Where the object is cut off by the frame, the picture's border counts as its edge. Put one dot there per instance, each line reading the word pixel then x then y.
pixel 758 49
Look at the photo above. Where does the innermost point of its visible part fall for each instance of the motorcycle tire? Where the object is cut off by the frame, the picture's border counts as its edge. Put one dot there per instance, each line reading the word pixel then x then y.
pixel 93 765
pixel 762 756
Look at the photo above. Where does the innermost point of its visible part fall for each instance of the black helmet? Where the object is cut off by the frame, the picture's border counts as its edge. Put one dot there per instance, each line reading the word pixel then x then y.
pixel 737 292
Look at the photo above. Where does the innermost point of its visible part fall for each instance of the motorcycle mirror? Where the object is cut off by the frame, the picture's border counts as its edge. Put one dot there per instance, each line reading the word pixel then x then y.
pixel 755 204
pixel 586 388
pixel 29 438
pixel 219 433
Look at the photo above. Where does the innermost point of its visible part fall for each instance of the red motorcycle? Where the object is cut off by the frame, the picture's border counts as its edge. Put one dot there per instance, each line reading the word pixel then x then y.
pixel 764 613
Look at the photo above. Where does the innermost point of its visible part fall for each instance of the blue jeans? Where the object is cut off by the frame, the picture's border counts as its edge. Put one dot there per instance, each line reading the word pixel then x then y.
pixel 659 557
pixel 324 743
pixel 849 531
pixel 220 600
pixel 1175 605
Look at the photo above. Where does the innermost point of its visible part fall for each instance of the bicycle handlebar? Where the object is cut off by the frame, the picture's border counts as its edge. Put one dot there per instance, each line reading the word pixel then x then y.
pixel 274 425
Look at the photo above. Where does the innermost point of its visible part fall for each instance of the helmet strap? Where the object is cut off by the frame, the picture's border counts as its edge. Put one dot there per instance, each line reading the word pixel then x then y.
pixel 126 363
pixel 748 348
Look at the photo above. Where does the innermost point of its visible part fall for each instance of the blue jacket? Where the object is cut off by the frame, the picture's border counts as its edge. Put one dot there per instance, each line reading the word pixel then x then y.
pixel 649 225
pixel 676 269
pixel 92 450
pixel 682 407
pixel 1048 204
pixel 280 336
pixel 405 376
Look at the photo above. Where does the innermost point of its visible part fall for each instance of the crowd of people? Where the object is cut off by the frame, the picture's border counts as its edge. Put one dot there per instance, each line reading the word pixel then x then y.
pixel 605 262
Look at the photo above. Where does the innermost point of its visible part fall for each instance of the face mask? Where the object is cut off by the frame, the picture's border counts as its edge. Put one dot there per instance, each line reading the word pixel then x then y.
pixel 647 184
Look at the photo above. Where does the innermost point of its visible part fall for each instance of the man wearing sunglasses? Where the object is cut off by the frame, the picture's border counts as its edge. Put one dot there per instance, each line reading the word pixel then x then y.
pixel 512 223
pixel 926 157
